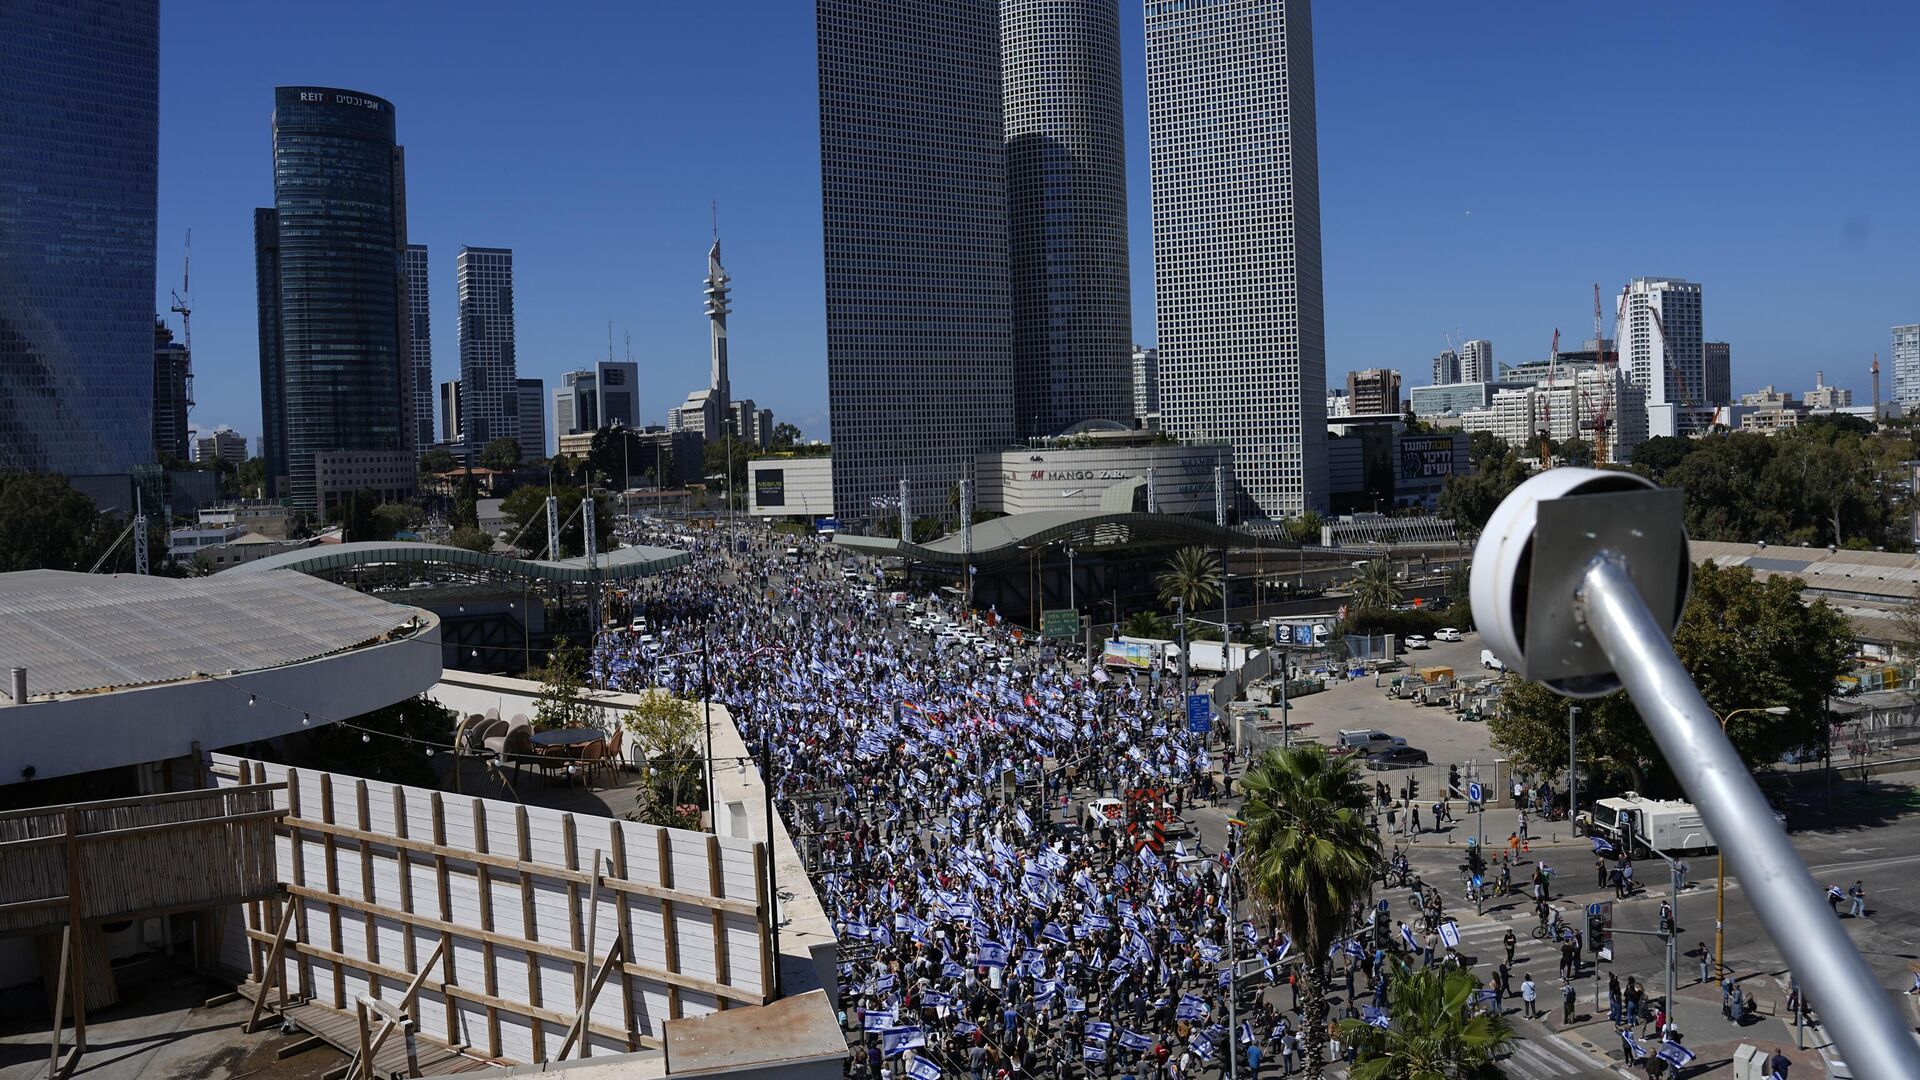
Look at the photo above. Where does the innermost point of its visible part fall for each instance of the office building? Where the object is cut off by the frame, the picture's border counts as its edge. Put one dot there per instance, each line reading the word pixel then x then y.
pixel 531 408
pixel 420 345
pixel 335 357
pixel 1451 399
pixel 1567 406
pixel 489 387
pixel 1658 327
pixel 222 445
pixel 172 378
pixel 1716 359
pixel 1906 367
pixel 914 207
pixel 1377 467
pixel 1476 361
pixel 1146 386
pixel 79 136
pixel 1236 240
pixel 1446 368
pixel 1338 403
pixel 1373 391
pixel 450 411
pixel 617 386
pixel 1106 471
pixel 1826 397
pixel 1067 213
pixel 576 403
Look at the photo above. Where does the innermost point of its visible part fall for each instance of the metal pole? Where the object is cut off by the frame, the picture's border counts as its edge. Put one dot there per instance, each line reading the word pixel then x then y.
pixel 1286 722
pixel 1876 1040
pixel 706 715
pixel 1573 765
pixel 773 879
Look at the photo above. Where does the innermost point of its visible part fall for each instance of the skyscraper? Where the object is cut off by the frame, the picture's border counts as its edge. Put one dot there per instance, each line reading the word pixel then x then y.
pixel 705 410
pixel 1373 391
pixel 1146 385
pixel 330 257
pixel 1717 374
pixel 1658 328
pixel 531 411
pixel 489 390
pixel 170 380
pixel 79 144
pixel 617 385
pixel 1906 368
pixel 1476 361
pixel 450 411
pixel 1067 221
pixel 1446 368
pixel 913 165
pixel 1236 239
pixel 420 345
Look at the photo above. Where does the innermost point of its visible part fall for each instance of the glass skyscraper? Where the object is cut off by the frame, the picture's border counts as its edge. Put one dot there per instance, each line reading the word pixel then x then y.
pixel 335 250
pixel 1067 214
pixel 79 144
pixel 913 167
pixel 420 330
pixel 1236 239
pixel 489 375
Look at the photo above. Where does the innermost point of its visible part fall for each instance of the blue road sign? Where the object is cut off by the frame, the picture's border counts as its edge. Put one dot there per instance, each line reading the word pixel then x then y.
pixel 1199 714
pixel 1596 909
pixel 1473 792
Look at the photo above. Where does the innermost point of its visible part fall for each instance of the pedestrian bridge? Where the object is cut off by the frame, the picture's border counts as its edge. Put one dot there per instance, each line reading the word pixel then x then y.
pixel 1006 539
pixel 620 564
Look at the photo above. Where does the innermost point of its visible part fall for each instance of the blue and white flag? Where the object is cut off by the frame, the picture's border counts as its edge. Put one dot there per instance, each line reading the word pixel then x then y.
pixel 1201 1046
pixel 923 1069
pixel 1406 935
pixel 1053 932
pixel 1674 1054
pixel 993 954
pixel 951 970
pixel 1375 1017
pixel 1021 819
pixel 877 1021
pixel 1133 1040
pixel 1190 1008
pixel 1093 1051
pixel 898 1040
pixel 1099 1029
pixel 934 999
pixel 1602 846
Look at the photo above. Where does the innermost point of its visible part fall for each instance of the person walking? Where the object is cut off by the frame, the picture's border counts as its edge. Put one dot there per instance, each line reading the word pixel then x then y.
pixel 1706 962
pixel 1530 996
pixel 1613 999
pixel 1510 940
pixel 1857 899
pixel 1567 998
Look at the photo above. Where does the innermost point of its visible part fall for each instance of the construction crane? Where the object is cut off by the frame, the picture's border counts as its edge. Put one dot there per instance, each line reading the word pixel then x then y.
pixel 183 304
pixel 1546 412
pixel 1599 348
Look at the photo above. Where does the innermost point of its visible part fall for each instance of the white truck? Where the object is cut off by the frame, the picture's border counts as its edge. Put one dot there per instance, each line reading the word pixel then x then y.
pixel 1209 655
pixel 1634 823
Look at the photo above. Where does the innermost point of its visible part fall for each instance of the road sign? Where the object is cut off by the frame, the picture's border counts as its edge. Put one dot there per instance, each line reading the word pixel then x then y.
pixel 1473 792
pixel 1596 909
pixel 1199 714
pixel 1060 624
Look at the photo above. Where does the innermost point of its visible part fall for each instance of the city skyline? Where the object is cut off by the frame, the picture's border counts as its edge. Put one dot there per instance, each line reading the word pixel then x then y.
pixel 1407 251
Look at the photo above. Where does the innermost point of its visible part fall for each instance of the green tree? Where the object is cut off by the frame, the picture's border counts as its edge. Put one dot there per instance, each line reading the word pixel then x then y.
pixel 618 452
pixel 1374 588
pixel 727 458
pixel 785 435
pixel 1747 644
pixel 47 525
pixel 1431 1037
pixel 565 700
pixel 390 519
pixel 501 455
pixel 526 514
pixel 1309 853
pixel 438 460
pixel 1147 624
pixel 1469 500
pixel 1192 576
pixel 666 734
pixel 1304 529
pixel 250 479
pixel 1657 456
pixel 471 537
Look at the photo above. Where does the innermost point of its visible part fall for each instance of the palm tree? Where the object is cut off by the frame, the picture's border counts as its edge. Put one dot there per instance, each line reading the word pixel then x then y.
pixel 1431 1037
pixel 1146 624
pixel 1192 576
pixel 1309 853
pixel 1374 588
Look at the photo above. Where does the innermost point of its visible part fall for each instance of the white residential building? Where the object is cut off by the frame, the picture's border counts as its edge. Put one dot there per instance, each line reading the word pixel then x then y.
pixel 1658 327
pixel 1906 367
pixel 1565 407
pixel 1476 361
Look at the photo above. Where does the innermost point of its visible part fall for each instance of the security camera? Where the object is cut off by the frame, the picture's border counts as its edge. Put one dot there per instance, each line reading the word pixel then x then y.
pixel 1535 550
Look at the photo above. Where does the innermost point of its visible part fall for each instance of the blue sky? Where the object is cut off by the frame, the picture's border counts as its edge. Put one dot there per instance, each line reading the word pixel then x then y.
pixel 1482 165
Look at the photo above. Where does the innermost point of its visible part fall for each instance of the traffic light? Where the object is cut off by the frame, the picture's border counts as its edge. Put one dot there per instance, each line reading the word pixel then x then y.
pixel 1413 788
pixel 1453 778
pixel 1476 862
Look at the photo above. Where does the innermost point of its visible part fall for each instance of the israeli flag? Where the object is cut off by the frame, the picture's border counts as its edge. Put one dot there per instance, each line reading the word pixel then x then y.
pixel 897 1041
pixel 1133 1040
pixel 1406 935
pixel 877 1021
pixel 1092 1051
pixel 923 1069
pixel 1376 1017
pixel 1074 1004
pixel 1674 1054
pixel 1201 1046
pixel 951 970
pixel 1053 932
pixel 1098 1029
pixel 1602 846
pixel 993 954
pixel 1190 1008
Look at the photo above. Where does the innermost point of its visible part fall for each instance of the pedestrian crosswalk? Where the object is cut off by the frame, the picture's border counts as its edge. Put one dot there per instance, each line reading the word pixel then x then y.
pixel 1546 1055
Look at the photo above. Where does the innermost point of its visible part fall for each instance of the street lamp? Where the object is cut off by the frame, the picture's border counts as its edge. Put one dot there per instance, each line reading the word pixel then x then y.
pixel 1720 856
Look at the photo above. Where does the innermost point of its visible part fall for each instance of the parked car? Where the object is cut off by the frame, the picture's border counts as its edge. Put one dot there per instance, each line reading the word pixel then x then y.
pixel 1415 641
pixel 1400 757
pixel 1446 633
pixel 1490 661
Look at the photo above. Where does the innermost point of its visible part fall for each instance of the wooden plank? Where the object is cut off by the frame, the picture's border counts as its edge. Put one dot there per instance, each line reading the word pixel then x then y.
pixel 670 931
pixel 147 829
pixel 366 1047
pixel 60 999
pixel 721 961
pixel 617 838
pixel 330 849
pixel 446 915
pixel 296 798
pixel 367 890
pixel 255 912
pixel 276 969
pixel 706 899
pixel 530 926
pixel 404 862
pixel 75 906
pixel 586 1002
pixel 450 990
pixel 769 905
pixel 490 978
pixel 571 844
pixel 146 800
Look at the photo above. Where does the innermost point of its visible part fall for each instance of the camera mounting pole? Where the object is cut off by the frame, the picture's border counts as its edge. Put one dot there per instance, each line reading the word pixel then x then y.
pixel 1578 582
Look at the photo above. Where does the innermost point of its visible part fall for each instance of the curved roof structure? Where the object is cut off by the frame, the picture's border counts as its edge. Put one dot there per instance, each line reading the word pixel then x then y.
pixel 1007 538
pixel 617 565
